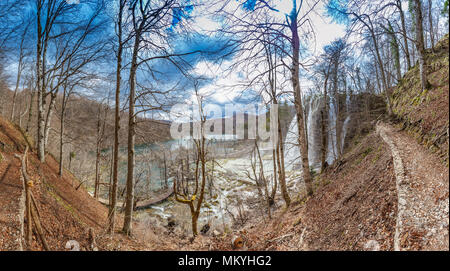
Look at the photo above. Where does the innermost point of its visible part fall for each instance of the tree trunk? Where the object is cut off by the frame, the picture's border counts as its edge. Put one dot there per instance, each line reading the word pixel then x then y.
pixel 41 125
pixel 298 103
pixel 194 220
pixel 115 162
pixel 397 59
pixel 30 108
pixel 97 156
pixel 395 50
pixel 420 44
pixel 131 140
pixel 383 74
pixel 61 143
pixel 41 52
pixel 48 120
pixel 19 73
pixel 40 101
pixel 430 22
pixel 281 168
pixel 405 38
pixel 379 60
pixel 338 120
pixel 324 125
pixel 275 179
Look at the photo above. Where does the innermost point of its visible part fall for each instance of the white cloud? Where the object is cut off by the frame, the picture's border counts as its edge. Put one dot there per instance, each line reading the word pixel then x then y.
pixel 223 88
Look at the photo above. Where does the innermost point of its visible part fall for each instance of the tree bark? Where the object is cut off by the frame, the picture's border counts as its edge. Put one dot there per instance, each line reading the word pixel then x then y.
pixel 40 87
pixel 61 144
pixel 97 156
pixel 430 22
pixel 405 38
pixel 298 103
pixel 338 120
pixel 324 124
pixel 115 163
pixel 19 73
pixel 378 59
pixel 420 44
pixel 30 107
pixel 131 139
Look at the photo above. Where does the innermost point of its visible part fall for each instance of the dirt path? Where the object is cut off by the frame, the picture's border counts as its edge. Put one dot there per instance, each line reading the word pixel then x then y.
pixel 423 193
pixel 11 206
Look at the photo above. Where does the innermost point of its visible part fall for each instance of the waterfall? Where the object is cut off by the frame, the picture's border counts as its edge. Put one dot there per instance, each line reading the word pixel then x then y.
pixel 313 122
pixel 344 130
pixel 291 149
pixel 332 150
pixel 313 125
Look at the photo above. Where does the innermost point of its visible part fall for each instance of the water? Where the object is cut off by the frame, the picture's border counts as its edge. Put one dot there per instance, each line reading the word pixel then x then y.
pixel 292 150
pixel 149 160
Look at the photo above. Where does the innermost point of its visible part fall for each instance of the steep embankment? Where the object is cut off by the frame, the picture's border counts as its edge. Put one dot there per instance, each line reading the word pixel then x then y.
pixel 387 193
pixel 390 191
pixel 353 207
pixel 424 114
pixel 66 210
pixel 423 193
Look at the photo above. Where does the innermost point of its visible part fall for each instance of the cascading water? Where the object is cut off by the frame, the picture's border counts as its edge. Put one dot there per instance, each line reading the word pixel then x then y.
pixel 292 152
pixel 332 138
pixel 344 130
pixel 314 132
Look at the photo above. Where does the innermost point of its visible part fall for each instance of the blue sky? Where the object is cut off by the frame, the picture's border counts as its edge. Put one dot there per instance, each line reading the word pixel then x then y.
pixel 326 31
pixel 202 35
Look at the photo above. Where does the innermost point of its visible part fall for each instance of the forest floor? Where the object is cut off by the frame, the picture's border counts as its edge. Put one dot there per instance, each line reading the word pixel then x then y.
pixel 354 207
pixel 66 210
pixel 388 192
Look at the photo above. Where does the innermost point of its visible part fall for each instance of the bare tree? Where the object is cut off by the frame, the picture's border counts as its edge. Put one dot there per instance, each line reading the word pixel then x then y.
pixel 295 70
pixel 324 115
pixel 356 10
pixel 420 43
pixel 404 33
pixel 195 200
pixel 147 20
pixel 430 22
pixel 115 163
pixel 251 29
pixel 20 66
pixel 66 40
pixel 100 134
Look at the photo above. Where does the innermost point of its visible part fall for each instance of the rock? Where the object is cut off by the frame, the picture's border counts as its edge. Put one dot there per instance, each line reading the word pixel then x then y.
pixel 237 242
pixel 171 223
pixel 216 233
pixel 205 228
pixel 372 245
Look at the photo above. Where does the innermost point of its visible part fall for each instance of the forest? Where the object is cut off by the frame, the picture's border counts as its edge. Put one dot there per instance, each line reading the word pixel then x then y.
pixel 224 125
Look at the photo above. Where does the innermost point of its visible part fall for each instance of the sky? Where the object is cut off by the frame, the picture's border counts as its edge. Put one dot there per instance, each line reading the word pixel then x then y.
pixel 326 31
pixel 211 66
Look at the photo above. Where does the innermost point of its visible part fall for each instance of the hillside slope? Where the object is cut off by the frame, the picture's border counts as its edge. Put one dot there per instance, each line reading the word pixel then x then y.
pixel 66 210
pixel 390 191
pixel 354 203
pixel 425 113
